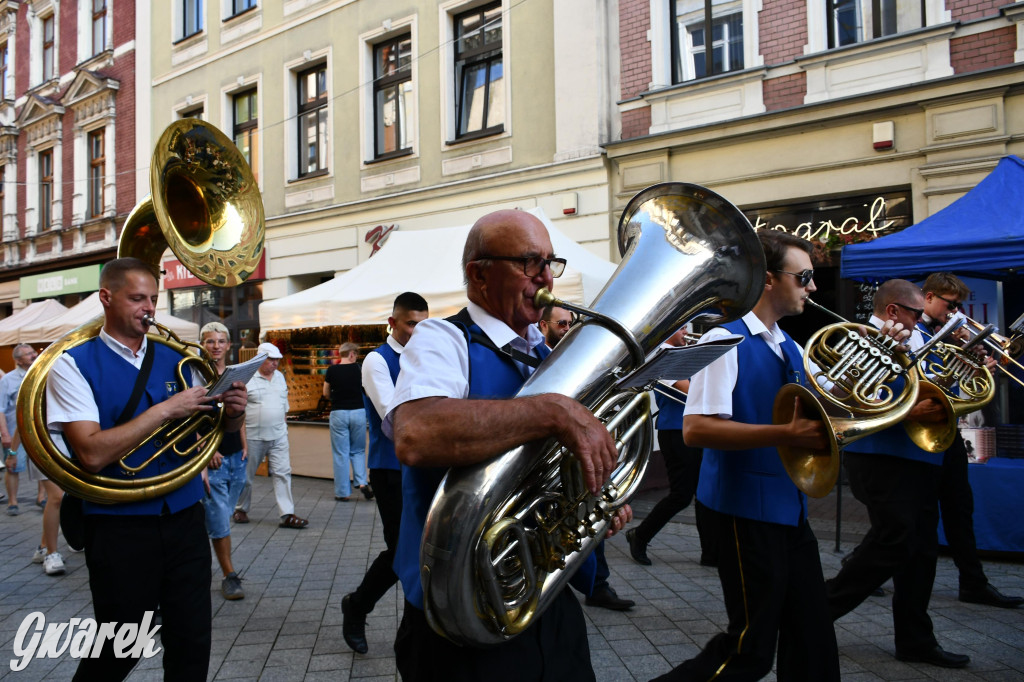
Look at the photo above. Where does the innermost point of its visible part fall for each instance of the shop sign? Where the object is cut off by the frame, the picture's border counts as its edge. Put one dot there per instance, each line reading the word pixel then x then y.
pixel 828 232
pixel 177 276
pixel 377 236
pixel 73 281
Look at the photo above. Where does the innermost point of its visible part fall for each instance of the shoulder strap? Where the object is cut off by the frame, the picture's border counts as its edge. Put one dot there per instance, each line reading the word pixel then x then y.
pixel 140 385
pixel 462 319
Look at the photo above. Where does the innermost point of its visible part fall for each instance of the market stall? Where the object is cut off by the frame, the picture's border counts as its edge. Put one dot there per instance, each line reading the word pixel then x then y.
pixel 10 326
pixel 50 328
pixel 309 326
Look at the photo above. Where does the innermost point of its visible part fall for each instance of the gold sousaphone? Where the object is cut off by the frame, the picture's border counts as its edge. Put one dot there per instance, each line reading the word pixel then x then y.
pixel 869 385
pixel 206 207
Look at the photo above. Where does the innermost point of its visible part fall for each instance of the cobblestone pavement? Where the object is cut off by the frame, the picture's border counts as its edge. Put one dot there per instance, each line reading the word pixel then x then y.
pixel 288 627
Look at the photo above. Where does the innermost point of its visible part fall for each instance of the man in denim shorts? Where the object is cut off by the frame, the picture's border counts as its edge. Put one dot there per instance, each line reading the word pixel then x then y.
pixel 225 476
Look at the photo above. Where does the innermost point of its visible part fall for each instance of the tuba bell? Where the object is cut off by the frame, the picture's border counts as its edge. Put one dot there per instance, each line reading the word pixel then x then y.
pixel 206 207
pixel 502 538
pixel 858 384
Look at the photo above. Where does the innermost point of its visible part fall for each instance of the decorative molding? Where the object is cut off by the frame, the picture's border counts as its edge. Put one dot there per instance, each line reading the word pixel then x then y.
pixel 472 162
pixel 711 100
pixel 41 120
pixel 405 176
pixel 91 97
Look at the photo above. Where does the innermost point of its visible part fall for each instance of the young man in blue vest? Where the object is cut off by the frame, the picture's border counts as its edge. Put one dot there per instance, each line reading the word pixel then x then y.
pixel 380 372
pixel 944 294
pixel 453 407
pixel 898 482
pixel 153 553
pixel 767 554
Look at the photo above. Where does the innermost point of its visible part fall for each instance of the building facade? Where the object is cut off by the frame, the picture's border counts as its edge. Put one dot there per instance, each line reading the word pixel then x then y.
pixel 72 82
pixel 362 117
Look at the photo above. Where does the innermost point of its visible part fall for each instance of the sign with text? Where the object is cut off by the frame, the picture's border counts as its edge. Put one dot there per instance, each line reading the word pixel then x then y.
pixel 50 284
pixel 177 276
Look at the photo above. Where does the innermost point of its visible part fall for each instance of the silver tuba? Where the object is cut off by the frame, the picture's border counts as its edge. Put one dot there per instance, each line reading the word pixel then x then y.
pixel 502 538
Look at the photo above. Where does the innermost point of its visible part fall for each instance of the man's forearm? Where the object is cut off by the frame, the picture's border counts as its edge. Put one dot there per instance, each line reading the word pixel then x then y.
pixel 453 432
pixel 705 431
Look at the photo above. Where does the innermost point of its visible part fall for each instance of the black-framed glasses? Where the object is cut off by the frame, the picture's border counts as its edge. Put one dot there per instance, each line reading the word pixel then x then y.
pixel 533 265
pixel 953 306
pixel 564 323
pixel 918 312
pixel 804 276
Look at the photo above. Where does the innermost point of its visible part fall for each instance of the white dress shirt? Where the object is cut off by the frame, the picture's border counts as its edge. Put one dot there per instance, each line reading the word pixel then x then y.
pixel 377 378
pixel 435 364
pixel 267 407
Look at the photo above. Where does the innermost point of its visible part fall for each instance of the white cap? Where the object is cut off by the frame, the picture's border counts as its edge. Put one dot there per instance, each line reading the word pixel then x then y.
pixel 270 349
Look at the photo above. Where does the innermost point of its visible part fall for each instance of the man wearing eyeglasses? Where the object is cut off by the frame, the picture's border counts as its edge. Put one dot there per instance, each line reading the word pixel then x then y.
pixel 944 294
pixel 898 482
pixel 453 407
pixel 554 324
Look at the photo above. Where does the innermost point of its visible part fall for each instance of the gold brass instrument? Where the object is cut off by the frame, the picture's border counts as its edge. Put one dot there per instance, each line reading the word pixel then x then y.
pixel 206 207
pixel 502 538
pixel 1005 349
pixel 869 386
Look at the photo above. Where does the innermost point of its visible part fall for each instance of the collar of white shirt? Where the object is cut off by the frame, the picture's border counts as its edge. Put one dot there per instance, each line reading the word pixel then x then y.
pixel 774 336
pixel 501 334
pixel 395 346
pixel 123 350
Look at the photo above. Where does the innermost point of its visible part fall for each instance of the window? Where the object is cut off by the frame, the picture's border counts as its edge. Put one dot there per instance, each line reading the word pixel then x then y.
pixel 45 190
pixel 480 95
pixel 194 112
pixel 855 21
pixel 99 26
pixel 95 173
pixel 312 121
pixel 4 66
pixel 48 24
pixel 3 187
pixel 246 128
pixel 239 6
pixel 392 97
pixel 191 17
pixel 690 38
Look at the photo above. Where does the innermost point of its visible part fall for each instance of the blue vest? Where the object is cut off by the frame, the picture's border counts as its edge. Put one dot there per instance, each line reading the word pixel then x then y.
pixel 102 369
pixel 382 448
pixel 491 377
pixel 753 484
pixel 670 413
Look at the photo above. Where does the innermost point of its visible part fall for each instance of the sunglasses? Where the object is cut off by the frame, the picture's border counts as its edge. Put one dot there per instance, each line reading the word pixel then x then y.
pixel 804 276
pixel 563 323
pixel 953 306
pixel 918 312
pixel 533 265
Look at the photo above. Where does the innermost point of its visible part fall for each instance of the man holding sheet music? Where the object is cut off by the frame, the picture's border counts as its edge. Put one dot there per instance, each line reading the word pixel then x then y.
pixel 107 395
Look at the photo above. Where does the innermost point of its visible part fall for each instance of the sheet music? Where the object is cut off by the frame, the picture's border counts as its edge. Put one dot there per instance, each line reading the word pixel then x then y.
pixel 243 371
pixel 676 364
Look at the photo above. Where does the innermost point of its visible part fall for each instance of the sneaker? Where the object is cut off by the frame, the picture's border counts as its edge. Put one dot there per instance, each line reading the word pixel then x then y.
pixel 53 564
pixel 231 587
pixel 39 555
pixel 13 510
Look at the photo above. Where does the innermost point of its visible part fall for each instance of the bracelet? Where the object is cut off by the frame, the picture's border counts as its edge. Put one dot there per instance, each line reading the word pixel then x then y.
pixel 10 453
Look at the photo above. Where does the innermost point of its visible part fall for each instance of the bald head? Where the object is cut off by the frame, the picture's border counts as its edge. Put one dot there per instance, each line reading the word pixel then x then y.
pixel 501 286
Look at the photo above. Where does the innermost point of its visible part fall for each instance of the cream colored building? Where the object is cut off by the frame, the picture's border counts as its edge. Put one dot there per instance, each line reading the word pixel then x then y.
pixel 356 115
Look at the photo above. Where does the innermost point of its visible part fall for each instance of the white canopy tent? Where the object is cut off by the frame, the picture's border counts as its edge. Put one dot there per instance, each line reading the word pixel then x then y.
pixel 53 327
pixel 33 313
pixel 428 262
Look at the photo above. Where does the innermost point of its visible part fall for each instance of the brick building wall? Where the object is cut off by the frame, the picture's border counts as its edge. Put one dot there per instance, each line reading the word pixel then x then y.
pixel 966 10
pixel 635 50
pixel 983 50
pixel 785 92
pixel 782 28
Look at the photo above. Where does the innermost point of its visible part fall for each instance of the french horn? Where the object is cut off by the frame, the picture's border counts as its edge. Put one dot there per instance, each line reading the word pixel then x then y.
pixel 206 207
pixel 502 538
pixel 857 384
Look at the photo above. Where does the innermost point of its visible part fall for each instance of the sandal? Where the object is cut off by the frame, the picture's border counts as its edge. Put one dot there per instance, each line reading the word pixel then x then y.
pixel 293 521
pixel 240 516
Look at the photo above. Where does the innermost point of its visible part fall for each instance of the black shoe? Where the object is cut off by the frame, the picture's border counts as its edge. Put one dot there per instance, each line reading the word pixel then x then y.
pixel 606 598
pixel 353 626
pixel 935 656
pixel 990 596
pixel 367 491
pixel 637 548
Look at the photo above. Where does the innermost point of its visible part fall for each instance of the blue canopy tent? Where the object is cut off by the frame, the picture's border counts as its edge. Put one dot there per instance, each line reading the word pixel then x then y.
pixel 981 234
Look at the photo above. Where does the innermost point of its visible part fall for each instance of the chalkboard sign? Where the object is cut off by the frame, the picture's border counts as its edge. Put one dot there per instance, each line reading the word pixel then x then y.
pixel 865 302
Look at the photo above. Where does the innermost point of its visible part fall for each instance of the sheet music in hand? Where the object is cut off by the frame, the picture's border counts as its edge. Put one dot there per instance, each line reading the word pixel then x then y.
pixel 243 371
pixel 676 364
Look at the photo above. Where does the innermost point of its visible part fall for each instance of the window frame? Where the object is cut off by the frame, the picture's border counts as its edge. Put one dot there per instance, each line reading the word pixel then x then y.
pixel 45 221
pixel 184 7
pixel 487 54
pixel 99 18
pixel 303 110
pixel 5 65
pixel 95 174
pixel 680 72
pixel 877 29
pixel 249 127
pixel 234 10
pixel 48 46
pixel 381 83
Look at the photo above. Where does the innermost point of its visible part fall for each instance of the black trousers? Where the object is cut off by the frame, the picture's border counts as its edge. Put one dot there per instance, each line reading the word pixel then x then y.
pixel 139 563
pixel 774 591
pixel 554 649
pixel 902 500
pixel 683 466
pixel 380 577
pixel 956 500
